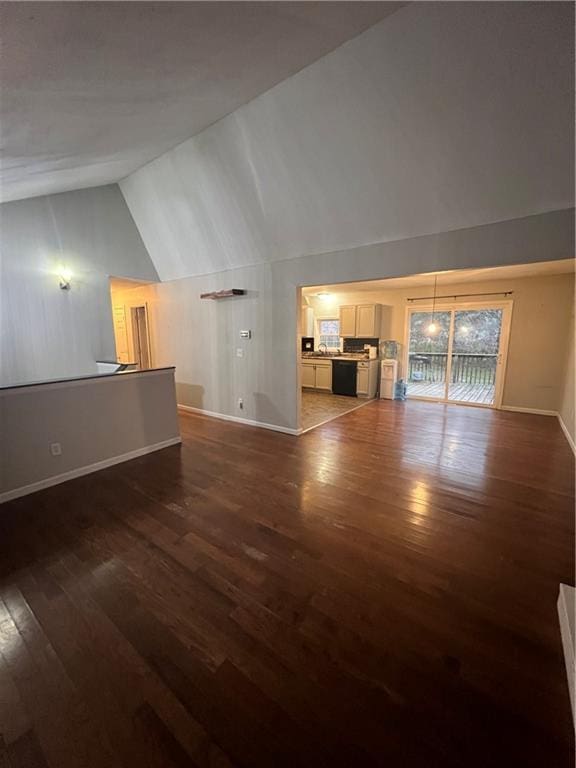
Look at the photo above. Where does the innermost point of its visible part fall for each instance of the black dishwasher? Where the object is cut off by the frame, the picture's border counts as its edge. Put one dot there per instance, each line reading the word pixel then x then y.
pixel 344 377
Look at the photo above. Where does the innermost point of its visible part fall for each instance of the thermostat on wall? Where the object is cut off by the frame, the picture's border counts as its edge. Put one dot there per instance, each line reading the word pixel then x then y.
pixel 245 334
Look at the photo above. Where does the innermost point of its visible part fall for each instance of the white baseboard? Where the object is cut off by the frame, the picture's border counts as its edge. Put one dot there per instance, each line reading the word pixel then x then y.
pixel 24 490
pixel 237 419
pixel 537 411
pixel 567 435
pixel 567 631
pixel 544 413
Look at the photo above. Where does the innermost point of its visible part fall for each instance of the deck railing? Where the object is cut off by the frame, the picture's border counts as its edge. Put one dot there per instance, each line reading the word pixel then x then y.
pixel 466 368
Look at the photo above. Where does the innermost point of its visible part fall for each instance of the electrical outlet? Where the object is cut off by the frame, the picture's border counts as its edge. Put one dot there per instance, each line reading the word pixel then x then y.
pixel 239 352
pixel 241 403
pixel 55 449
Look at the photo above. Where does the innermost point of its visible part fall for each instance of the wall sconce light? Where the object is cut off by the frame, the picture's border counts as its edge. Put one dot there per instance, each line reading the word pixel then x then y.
pixel 65 276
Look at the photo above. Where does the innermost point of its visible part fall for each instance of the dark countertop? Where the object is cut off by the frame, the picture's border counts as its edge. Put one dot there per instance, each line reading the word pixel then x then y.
pixel 341 357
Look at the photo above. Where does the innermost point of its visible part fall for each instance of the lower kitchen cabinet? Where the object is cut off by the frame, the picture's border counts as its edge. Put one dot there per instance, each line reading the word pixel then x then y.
pixel 317 374
pixel 362 381
pixel 324 376
pixel 367 378
pixel 308 375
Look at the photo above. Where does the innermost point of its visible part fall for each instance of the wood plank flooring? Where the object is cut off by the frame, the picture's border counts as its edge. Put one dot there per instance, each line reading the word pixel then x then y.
pixel 378 592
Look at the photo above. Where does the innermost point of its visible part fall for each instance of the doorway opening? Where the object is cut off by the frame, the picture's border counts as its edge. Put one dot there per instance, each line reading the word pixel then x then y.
pixel 384 324
pixel 133 334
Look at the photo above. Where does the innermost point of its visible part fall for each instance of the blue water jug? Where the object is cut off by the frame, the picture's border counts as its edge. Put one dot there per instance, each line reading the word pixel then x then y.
pixel 400 390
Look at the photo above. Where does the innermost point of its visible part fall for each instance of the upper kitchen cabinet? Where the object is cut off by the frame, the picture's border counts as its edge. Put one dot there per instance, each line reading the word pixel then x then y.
pixel 368 320
pixel 347 321
pixel 360 321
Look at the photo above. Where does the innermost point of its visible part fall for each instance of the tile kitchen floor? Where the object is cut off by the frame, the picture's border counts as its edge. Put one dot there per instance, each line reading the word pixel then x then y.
pixel 318 407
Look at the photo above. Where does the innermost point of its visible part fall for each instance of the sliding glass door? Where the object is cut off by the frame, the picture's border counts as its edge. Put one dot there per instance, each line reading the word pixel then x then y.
pixel 475 350
pixel 457 354
pixel 428 354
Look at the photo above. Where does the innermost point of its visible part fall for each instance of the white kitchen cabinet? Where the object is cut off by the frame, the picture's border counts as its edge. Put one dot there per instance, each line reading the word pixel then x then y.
pixel 308 375
pixel 324 376
pixel 367 378
pixel 348 320
pixel 362 381
pixel 368 321
pixel 317 374
pixel 360 321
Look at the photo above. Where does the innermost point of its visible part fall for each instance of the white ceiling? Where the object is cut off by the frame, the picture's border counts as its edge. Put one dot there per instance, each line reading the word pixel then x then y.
pixel 452 277
pixel 92 91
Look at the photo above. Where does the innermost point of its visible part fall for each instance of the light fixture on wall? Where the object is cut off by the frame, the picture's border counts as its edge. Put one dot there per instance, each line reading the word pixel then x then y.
pixel 433 327
pixel 65 276
pixel 324 296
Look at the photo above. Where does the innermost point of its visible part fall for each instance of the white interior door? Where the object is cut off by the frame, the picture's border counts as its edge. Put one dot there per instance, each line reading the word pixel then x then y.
pixel 140 337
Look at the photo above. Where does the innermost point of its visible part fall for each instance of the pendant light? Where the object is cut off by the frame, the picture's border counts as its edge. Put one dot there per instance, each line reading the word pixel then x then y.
pixel 433 327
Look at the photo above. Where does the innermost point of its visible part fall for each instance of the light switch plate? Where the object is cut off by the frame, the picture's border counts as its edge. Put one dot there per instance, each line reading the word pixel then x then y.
pixel 239 352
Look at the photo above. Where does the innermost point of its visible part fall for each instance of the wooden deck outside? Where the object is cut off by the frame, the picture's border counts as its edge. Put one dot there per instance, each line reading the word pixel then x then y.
pixel 463 393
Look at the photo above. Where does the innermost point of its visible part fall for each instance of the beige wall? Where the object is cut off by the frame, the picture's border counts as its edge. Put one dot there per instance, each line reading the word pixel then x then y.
pixel 97 421
pixel 566 409
pixel 538 336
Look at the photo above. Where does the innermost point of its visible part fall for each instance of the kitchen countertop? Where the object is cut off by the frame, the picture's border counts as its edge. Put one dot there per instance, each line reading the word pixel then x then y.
pixel 341 357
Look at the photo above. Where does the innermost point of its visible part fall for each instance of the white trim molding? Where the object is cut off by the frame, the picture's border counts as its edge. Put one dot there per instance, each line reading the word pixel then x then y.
pixel 566 600
pixel 535 411
pixel 88 469
pixel 239 420
pixel 567 434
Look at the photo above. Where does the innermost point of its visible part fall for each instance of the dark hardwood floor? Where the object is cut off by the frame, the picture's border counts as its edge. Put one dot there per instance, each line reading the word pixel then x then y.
pixel 378 592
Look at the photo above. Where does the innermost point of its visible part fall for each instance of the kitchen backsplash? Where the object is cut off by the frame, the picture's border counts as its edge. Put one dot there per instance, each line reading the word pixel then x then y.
pixel 357 345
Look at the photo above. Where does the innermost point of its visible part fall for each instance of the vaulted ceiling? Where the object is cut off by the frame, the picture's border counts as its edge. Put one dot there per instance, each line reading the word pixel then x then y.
pixel 91 91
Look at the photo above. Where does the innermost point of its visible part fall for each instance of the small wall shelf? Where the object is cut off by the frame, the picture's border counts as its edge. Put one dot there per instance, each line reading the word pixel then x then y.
pixel 223 294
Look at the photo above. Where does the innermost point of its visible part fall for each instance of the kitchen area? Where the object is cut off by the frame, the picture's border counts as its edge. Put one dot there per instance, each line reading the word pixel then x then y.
pixel 440 337
pixel 343 359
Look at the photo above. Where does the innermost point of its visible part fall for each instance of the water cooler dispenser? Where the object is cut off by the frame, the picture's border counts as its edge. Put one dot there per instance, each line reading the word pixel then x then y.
pixel 388 378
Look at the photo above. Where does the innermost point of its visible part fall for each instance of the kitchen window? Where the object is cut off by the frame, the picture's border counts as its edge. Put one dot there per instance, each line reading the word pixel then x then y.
pixel 329 332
